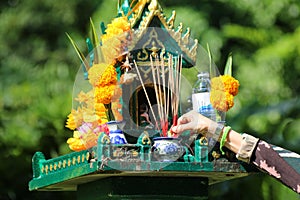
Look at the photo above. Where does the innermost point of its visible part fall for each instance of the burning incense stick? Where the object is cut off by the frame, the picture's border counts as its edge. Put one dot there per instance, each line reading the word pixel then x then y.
pixel 168 95
pixel 155 87
pixel 165 125
pixel 162 122
pixel 178 84
pixel 165 97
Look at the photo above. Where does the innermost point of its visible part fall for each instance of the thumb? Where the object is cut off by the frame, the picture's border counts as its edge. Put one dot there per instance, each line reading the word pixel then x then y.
pixel 180 128
pixel 183 120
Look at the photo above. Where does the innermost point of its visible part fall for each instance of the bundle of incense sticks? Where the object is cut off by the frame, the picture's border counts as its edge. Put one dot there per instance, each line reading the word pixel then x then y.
pixel 167 82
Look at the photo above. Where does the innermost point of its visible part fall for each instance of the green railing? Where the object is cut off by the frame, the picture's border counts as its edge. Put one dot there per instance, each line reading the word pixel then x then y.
pixel 68 171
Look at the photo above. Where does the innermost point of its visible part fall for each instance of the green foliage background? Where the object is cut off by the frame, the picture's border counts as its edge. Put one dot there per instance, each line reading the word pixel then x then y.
pixel 38 66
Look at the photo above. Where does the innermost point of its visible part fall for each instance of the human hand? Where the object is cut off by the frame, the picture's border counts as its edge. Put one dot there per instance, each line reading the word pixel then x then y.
pixel 192 121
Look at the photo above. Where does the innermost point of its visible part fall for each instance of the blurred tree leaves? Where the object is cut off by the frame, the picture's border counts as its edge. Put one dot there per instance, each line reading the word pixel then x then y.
pixel 38 67
pixel 37 71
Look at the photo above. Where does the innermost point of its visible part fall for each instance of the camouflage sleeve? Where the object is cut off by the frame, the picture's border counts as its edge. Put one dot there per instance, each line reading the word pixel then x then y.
pixel 279 163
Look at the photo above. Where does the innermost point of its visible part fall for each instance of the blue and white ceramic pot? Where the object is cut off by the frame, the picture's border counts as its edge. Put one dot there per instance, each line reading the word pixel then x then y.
pixel 116 134
pixel 117 137
pixel 114 125
pixel 166 149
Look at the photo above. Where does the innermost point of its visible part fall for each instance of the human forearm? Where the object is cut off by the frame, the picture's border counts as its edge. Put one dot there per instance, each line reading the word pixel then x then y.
pixel 233 141
pixel 246 147
pixel 241 144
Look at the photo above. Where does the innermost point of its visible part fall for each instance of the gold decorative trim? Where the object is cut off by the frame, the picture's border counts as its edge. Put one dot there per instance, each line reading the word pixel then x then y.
pixel 87 156
pixel 203 141
pixel 146 140
pixel 171 20
pixel 155 10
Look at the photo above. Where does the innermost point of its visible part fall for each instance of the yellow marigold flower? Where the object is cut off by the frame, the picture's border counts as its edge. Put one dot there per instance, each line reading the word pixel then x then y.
pixel 112 31
pixel 95 73
pixel 75 143
pixel 75 119
pixel 122 23
pixel 221 100
pixel 99 107
pixel 225 83
pixel 223 89
pixel 116 27
pixel 104 94
pixel 217 84
pixel 103 119
pixel 111 49
pixel 231 84
pixel 109 76
pixel 115 38
pixel 102 75
pixel 83 97
pixel 71 122
pixel 100 111
pixel 78 116
pixel 76 134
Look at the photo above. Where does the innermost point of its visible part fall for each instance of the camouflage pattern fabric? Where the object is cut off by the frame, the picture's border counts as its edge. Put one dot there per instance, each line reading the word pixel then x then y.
pixel 273 160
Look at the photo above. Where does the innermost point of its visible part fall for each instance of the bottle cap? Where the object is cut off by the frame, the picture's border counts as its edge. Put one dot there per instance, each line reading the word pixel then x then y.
pixel 203 74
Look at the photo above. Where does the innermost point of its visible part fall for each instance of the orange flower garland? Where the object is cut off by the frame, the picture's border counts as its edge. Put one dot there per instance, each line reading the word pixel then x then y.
pixel 74 120
pixel 104 94
pixel 75 143
pixel 71 124
pixel 96 106
pixel 223 90
pixel 115 38
pixel 109 77
pixel 116 27
pixel 102 75
pixel 95 73
pixel 100 112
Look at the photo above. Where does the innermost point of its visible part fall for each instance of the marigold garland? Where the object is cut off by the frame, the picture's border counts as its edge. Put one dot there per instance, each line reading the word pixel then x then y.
pixel 118 26
pixel 96 107
pixel 109 77
pixel 100 111
pixel 75 143
pixel 102 74
pixel 75 118
pixel 71 122
pixel 104 94
pixel 95 73
pixel 115 39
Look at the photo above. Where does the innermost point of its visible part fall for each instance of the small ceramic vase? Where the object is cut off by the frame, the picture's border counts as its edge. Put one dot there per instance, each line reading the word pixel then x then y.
pixel 116 134
pixel 166 149
pixel 117 137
